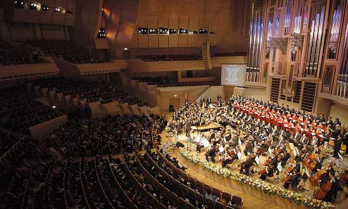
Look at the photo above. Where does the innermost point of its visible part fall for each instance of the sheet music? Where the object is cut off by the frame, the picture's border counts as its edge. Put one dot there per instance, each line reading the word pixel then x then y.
pixel 279 167
pixel 221 149
pixel 257 159
pixel 239 142
pixel 340 156
pixel 307 172
pixel 295 153
pixel 205 143
pixel 269 150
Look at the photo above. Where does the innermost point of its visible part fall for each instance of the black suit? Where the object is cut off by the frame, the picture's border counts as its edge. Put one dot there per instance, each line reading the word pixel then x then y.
pixel 337 147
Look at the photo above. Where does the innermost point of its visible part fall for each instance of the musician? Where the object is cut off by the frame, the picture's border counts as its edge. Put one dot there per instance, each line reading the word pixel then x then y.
pixel 248 147
pixel 268 172
pixel 229 158
pixel 246 167
pixel 337 147
pixel 188 127
pixel 212 153
pixel 325 150
pixel 199 146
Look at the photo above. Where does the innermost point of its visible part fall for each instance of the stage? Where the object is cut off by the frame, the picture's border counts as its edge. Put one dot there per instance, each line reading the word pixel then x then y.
pixel 249 192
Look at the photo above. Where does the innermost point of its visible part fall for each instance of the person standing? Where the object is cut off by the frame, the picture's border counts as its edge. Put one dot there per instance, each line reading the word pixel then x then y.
pixel 337 146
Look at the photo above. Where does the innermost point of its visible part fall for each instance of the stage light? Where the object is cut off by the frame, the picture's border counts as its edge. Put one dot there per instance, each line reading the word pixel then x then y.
pixel 126 49
pixel 175 95
pixel 54 107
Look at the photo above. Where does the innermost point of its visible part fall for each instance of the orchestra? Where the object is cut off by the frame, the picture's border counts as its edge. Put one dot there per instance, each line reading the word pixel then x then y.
pixel 294 143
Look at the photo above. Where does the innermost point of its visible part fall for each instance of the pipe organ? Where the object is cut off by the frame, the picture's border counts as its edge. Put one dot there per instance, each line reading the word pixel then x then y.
pixel 256 40
pixel 300 47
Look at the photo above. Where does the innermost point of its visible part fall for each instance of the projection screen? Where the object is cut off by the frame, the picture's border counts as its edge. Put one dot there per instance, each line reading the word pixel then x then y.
pixel 233 75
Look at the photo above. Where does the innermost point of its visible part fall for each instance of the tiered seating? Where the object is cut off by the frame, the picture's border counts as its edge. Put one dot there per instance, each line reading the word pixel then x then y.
pixel 145 185
pixel 93 191
pixel 90 91
pixel 19 111
pixel 15 171
pixel 213 197
pixel 75 193
pixel 109 186
pixel 133 195
pixel 170 57
pixel 160 81
pixel 10 55
pixel 225 54
pixel 112 134
pixel 67 51
pixel 54 188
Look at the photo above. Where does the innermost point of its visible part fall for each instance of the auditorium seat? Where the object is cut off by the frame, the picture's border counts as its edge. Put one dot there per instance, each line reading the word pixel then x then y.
pixel 237 201
pixel 226 197
pixel 219 205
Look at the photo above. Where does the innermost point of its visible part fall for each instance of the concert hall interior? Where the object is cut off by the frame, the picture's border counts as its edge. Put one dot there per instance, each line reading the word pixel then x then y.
pixel 173 104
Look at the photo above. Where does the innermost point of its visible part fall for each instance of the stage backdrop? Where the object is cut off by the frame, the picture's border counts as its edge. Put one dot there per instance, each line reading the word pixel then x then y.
pixel 232 74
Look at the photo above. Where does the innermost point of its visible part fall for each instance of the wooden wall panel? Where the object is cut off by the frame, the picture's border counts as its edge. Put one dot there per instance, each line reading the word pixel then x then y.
pixel 143 41
pixel 174 23
pixel 21 32
pixel 20 15
pixel 46 17
pixel 193 40
pixel 33 16
pixel 163 41
pixel 70 19
pixel 53 32
pixel 153 41
pixel 184 22
pixel 173 40
pixel 58 18
pixel 164 22
pixel 183 40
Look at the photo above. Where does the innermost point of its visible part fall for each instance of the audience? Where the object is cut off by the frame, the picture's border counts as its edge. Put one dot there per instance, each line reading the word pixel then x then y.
pixel 91 91
pixel 67 51
pixel 10 55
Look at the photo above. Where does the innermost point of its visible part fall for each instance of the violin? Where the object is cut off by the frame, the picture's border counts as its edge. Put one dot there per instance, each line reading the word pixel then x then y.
pixel 286 173
pixel 267 161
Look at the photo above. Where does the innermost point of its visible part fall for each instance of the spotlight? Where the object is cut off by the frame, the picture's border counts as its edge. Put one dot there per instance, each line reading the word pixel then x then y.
pixel 175 95
pixel 126 49
pixel 54 107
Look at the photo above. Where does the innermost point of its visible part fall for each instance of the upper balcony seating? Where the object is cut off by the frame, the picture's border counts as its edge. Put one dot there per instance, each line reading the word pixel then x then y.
pixel 67 51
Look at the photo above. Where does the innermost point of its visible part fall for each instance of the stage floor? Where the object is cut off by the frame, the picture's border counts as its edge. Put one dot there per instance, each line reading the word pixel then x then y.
pixel 249 201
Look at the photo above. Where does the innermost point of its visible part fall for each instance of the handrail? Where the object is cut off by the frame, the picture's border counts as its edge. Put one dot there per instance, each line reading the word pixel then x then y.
pixel 83 188
pixel 100 184
pixel 158 185
pixel 168 163
pixel 120 187
pixel 44 195
pixel 64 185
pixel 136 182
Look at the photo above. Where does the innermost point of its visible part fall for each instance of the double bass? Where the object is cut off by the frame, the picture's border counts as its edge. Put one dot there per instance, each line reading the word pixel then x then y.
pixel 320 193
